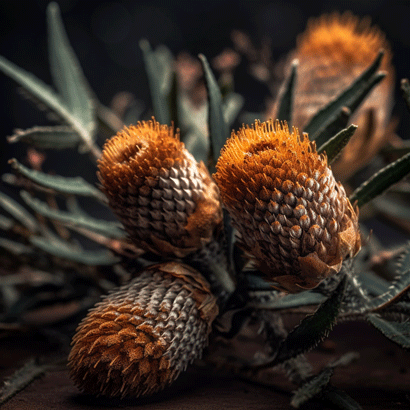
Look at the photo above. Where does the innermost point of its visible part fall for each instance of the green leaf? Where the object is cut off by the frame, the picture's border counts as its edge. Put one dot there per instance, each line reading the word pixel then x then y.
pixel 197 144
pixel 334 145
pixel 286 102
pixel 63 250
pixel 65 185
pixel 405 89
pixel 313 328
pixel 395 207
pixel 398 288
pixel 58 137
pixel 6 223
pixel 19 213
pixel 67 74
pixel 232 105
pixel 312 388
pixel 218 128
pixel 261 300
pixel 107 228
pixel 398 332
pixel 157 66
pixel 352 96
pixel 317 384
pixel 381 181
pixel 340 399
pixel 16 248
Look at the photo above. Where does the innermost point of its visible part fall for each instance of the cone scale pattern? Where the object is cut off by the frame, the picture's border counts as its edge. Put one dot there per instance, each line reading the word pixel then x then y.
pixel 139 338
pixel 167 201
pixel 295 221
pixel 334 50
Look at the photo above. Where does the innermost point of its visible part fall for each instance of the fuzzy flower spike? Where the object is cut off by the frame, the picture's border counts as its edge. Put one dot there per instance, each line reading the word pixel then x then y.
pixel 294 219
pixel 167 201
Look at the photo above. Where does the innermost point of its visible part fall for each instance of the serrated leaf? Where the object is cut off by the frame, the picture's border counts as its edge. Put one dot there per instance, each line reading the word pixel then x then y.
pixel 349 96
pixel 107 228
pixel 19 213
pixel 398 332
pixel 405 89
pixel 62 250
pixel 286 102
pixel 334 145
pixel 312 388
pixel 49 97
pixel 218 128
pixel 20 379
pixel 313 328
pixel 381 181
pixel 156 65
pixel 67 74
pixel 65 185
pixel 398 288
pixel 58 137
pixel 317 384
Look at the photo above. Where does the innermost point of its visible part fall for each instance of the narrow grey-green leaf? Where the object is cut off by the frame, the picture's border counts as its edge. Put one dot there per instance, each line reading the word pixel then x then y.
pixel 20 379
pixel 232 105
pixel 6 223
pixel 317 384
pixel 261 300
pixel 325 115
pixel 58 137
pixel 405 89
pixel 155 75
pixel 67 73
pixel 394 207
pixel 286 102
pixel 65 185
pixel 313 328
pixel 218 128
pixel 340 399
pixel 63 250
pixel 197 144
pixel 16 248
pixel 49 97
pixel 398 332
pixel 381 181
pixel 334 145
pixel 18 212
pixel 107 228
pixel 312 388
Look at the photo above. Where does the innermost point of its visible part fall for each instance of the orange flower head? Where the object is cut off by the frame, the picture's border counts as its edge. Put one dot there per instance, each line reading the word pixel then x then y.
pixel 294 220
pixel 333 51
pixel 166 201
pixel 139 338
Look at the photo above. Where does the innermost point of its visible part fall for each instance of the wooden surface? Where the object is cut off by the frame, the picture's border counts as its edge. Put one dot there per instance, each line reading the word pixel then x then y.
pixel 379 379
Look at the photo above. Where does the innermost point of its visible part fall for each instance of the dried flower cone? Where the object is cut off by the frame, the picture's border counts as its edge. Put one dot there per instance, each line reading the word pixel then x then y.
pixel 333 51
pixel 139 338
pixel 294 219
pixel 167 202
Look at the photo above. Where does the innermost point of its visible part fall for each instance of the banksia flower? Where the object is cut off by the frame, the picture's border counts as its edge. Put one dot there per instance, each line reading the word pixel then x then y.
pixel 293 218
pixel 333 51
pixel 139 338
pixel 166 201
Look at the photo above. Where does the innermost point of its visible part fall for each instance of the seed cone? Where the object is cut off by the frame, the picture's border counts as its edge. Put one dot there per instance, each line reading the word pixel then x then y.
pixel 333 51
pixel 139 338
pixel 166 201
pixel 293 218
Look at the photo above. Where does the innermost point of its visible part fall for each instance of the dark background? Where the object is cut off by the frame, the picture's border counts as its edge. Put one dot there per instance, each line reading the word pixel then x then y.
pixel 105 38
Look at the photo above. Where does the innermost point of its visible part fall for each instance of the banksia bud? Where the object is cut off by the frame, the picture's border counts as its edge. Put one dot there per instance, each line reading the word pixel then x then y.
pixel 293 218
pixel 139 338
pixel 166 201
pixel 333 51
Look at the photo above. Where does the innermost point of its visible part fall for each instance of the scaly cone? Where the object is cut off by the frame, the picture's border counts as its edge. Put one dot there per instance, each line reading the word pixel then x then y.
pixel 166 201
pixel 295 221
pixel 138 339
